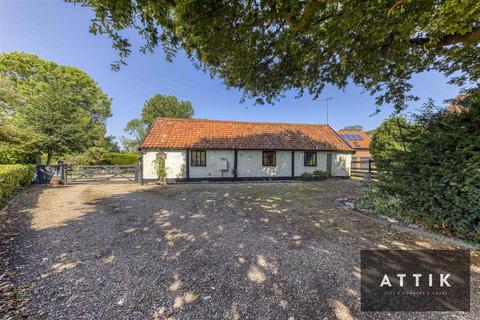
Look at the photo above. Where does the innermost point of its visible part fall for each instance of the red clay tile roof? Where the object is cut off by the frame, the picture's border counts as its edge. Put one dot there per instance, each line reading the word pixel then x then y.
pixel 364 143
pixel 168 133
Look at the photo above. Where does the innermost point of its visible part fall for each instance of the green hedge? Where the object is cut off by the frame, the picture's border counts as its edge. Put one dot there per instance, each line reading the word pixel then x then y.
pixel 12 178
pixel 124 158
pixel 435 179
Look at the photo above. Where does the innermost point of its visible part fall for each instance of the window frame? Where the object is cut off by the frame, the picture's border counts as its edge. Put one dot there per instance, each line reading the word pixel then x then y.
pixel 194 161
pixel 274 158
pixel 305 164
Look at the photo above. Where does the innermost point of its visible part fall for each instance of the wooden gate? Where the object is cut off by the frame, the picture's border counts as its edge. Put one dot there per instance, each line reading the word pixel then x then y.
pixel 102 173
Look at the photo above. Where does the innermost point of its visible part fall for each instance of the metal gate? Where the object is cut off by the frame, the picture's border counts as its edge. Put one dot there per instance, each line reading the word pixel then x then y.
pixel 102 173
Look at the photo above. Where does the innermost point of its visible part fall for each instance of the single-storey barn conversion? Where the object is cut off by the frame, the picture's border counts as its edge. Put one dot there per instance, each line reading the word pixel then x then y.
pixel 196 149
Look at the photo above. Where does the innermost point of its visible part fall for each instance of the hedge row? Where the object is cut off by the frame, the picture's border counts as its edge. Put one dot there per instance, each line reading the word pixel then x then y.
pixel 12 178
pixel 435 179
pixel 124 158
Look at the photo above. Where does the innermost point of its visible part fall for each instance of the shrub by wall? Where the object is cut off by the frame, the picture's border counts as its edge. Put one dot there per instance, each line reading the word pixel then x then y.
pixel 12 178
pixel 320 175
pixel 306 176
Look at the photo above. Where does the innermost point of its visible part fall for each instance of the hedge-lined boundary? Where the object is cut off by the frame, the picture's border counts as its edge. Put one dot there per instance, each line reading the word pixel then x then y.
pixel 13 178
pixel 124 158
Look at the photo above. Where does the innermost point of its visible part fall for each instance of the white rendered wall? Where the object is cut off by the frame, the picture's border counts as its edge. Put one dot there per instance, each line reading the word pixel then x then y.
pixel 215 162
pixel 299 163
pixel 174 162
pixel 341 163
pixel 148 163
pixel 250 164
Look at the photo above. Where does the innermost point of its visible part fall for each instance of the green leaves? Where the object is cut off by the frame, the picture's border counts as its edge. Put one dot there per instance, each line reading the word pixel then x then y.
pixel 62 106
pixel 157 106
pixel 267 47
pixel 435 179
pixel 12 178
pixel 165 107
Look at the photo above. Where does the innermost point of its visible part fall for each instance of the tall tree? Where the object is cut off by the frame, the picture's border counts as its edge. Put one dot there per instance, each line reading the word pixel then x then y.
pixel 136 131
pixel 165 107
pixel 62 105
pixel 267 47
pixel 157 106
pixel 353 127
pixel 16 146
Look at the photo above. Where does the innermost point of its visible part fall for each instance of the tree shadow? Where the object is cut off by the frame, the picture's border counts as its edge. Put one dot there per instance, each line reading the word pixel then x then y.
pixel 188 252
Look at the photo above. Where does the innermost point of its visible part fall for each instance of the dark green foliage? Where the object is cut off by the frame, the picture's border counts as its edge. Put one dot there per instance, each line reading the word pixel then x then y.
pixel 388 139
pixel 61 105
pixel 321 175
pixel 17 146
pixel 306 176
pixel 157 106
pixel 13 178
pixel 124 158
pixel 165 107
pixel 101 156
pixel 435 180
pixel 268 47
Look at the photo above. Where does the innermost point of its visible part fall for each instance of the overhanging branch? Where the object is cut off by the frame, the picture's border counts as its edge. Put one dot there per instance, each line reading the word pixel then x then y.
pixel 471 37
pixel 308 14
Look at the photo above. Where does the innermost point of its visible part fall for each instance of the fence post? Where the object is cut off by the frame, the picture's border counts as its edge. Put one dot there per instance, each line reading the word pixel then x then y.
pixel 370 166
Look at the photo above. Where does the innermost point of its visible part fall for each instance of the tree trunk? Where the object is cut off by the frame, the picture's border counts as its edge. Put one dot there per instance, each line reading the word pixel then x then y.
pixel 49 156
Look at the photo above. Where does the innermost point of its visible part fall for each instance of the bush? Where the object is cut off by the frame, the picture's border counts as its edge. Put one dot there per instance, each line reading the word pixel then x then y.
pixel 12 178
pixel 321 175
pixel 124 158
pixel 435 179
pixel 100 156
pixel 306 176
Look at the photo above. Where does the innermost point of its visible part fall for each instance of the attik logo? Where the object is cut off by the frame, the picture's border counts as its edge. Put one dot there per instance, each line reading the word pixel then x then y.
pixel 417 276
pixel 415 280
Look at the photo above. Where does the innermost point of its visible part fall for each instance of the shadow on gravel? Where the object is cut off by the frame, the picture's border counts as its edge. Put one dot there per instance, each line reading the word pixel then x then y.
pixel 194 252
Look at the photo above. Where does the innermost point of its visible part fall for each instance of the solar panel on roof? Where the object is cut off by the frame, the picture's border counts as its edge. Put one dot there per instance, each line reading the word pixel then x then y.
pixel 351 137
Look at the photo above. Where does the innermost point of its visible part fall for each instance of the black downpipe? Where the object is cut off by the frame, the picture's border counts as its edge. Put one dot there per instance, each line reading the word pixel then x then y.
pixel 235 164
pixel 187 168
pixel 293 164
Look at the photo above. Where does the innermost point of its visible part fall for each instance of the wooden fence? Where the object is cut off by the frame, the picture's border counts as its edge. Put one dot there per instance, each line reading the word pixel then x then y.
pixel 362 168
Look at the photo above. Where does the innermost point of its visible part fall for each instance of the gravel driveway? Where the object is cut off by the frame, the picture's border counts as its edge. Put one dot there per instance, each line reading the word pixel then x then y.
pixel 201 251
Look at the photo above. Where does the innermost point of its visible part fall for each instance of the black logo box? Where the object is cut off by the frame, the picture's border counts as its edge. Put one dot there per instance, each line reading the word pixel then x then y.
pixel 426 292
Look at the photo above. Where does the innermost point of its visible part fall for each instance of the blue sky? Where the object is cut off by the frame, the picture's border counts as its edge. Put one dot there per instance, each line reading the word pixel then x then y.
pixel 58 31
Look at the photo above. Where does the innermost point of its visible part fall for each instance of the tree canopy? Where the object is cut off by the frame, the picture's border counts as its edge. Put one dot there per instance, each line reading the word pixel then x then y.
pixel 165 107
pixel 266 47
pixel 353 127
pixel 62 105
pixel 157 106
